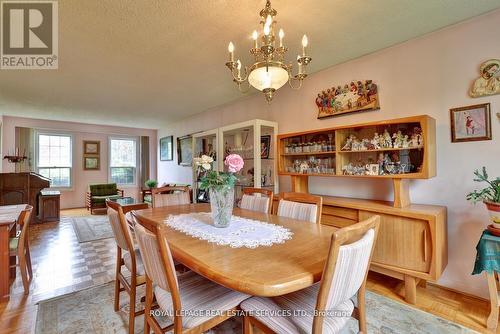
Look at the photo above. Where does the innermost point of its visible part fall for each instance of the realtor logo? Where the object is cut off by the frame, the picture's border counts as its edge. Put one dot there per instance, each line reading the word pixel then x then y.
pixel 29 33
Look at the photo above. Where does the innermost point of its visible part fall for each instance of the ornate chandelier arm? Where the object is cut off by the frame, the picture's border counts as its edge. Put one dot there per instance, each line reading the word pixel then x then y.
pixel 236 73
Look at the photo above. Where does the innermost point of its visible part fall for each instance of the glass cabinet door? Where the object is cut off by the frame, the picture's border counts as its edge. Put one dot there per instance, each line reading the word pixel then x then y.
pixel 203 144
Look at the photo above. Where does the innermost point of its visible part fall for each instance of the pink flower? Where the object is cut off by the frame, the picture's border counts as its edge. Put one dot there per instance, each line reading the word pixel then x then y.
pixel 234 163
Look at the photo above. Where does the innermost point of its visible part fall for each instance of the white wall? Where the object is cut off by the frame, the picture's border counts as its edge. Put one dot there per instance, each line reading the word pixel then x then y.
pixel 75 197
pixel 428 75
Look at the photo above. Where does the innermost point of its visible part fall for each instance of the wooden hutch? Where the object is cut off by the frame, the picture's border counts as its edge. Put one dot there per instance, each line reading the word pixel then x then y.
pixel 412 242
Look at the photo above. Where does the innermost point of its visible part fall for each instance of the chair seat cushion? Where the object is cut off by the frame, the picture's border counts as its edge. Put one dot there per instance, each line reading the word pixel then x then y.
pixel 102 199
pixel 200 299
pixel 297 322
pixel 138 262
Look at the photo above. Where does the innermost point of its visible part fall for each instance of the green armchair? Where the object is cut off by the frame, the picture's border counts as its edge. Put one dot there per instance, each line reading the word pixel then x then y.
pixel 98 194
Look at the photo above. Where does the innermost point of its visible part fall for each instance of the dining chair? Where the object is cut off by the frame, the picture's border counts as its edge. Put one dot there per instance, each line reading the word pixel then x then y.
pixel 19 247
pixel 193 303
pixel 326 306
pixel 300 206
pixel 129 256
pixel 257 199
pixel 170 195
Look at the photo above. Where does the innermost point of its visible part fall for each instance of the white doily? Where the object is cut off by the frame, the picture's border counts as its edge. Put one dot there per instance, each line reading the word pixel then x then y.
pixel 241 232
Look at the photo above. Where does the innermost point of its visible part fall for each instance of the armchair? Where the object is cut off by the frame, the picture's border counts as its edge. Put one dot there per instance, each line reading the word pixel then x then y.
pixel 98 194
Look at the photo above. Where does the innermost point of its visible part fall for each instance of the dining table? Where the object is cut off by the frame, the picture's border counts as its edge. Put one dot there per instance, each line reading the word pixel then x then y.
pixel 265 271
pixel 8 218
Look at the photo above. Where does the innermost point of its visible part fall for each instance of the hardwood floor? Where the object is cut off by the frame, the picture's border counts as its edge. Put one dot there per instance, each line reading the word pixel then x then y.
pixel 62 265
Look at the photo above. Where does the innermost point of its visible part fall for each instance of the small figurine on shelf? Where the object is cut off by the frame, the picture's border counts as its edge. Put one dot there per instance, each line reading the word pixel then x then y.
pixel 348 169
pixel 348 144
pixel 356 145
pixel 414 141
pixel 303 167
pixel 398 139
pixel 376 141
pixel 406 142
pixel 367 144
pixel 387 140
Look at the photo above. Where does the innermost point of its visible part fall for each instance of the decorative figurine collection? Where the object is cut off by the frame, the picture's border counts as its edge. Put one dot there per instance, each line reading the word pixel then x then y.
pixel 385 141
pixel 311 146
pixel 386 164
pixel 355 96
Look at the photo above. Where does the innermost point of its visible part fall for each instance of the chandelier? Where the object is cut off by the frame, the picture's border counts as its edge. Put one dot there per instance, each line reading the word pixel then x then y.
pixel 269 71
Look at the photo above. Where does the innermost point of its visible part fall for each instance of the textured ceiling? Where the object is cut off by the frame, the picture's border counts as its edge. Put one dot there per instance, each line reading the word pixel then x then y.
pixel 147 62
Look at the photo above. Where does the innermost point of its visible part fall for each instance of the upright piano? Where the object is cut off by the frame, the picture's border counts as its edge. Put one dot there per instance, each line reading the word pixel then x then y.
pixel 22 188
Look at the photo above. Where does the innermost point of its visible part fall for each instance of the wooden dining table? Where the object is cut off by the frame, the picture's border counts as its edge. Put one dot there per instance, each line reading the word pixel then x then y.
pixel 8 218
pixel 263 271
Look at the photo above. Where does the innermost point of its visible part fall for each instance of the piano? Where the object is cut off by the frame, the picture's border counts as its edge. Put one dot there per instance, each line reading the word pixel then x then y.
pixel 22 188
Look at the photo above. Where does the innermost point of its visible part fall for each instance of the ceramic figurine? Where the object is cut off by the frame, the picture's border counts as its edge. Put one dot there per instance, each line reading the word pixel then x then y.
pixel 406 142
pixel 356 145
pixel 376 141
pixel 303 167
pixel 398 139
pixel 348 144
pixel 387 140
pixel 414 140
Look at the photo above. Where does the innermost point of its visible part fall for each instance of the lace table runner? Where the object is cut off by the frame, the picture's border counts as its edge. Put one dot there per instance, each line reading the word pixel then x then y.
pixel 241 232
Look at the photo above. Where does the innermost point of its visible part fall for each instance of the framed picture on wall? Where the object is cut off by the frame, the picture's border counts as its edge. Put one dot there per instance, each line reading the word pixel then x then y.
pixel 166 148
pixel 91 147
pixel 91 163
pixel 265 146
pixel 471 123
pixel 185 150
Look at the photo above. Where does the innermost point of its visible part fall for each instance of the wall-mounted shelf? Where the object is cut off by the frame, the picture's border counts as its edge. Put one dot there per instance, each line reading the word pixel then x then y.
pixel 327 158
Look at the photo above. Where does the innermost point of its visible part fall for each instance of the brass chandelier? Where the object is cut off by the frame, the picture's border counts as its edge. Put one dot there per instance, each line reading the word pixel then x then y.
pixel 269 71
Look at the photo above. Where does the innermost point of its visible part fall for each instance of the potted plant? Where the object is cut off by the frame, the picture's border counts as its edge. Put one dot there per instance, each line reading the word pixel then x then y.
pixel 220 186
pixel 490 195
pixel 151 184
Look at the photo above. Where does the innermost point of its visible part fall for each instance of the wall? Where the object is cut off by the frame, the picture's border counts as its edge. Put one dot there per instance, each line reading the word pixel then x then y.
pixel 81 179
pixel 428 75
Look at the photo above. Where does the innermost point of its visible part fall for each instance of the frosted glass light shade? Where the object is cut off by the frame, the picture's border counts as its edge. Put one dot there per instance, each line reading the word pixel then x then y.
pixel 268 77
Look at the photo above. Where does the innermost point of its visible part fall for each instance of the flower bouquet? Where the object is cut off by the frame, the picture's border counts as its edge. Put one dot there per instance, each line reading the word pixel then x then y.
pixel 220 186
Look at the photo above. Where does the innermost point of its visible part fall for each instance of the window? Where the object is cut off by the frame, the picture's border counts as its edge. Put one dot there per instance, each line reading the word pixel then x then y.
pixel 54 158
pixel 122 160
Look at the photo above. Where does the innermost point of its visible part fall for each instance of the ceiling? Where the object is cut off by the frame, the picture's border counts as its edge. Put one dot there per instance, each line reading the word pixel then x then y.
pixel 146 63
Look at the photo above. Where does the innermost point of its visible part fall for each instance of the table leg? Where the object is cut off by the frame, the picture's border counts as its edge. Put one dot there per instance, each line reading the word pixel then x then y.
pixel 492 322
pixel 4 263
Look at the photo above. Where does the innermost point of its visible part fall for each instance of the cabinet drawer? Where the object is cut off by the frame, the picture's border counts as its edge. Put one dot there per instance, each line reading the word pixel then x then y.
pixel 340 212
pixel 336 221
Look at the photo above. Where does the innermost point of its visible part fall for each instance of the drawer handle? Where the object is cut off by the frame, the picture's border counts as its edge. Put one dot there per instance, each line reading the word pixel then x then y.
pixel 425 244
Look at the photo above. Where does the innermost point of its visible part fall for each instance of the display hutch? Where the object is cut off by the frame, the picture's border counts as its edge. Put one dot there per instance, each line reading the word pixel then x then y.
pixel 412 242
pixel 204 143
pixel 255 141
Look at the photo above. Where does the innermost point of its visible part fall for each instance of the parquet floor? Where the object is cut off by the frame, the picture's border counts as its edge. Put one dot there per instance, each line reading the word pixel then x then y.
pixel 62 265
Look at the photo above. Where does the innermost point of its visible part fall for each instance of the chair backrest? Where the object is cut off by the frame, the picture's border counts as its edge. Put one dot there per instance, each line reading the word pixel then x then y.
pixel 300 206
pixel 168 196
pixel 23 221
pixel 346 267
pixel 157 258
pixel 120 227
pixel 103 189
pixel 251 200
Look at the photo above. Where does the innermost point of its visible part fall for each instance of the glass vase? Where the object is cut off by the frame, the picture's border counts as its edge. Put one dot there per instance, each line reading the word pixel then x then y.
pixel 221 203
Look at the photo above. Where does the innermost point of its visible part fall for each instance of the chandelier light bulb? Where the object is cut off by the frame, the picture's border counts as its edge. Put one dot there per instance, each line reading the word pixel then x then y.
pixel 266 30
pixel 304 45
pixel 255 35
pixel 230 47
pixel 281 34
pixel 238 64
pixel 269 20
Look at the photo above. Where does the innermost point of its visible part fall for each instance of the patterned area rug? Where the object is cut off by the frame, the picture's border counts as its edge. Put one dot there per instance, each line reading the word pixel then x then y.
pixel 91 311
pixel 90 228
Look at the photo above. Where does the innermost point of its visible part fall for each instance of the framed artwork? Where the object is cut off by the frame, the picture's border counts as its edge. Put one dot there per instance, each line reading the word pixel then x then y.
pixel 166 148
pixel 373 169
pixel 91 147
pixel 185 150
pixel 91 163
pixel 488 82
pixel 471 123
pixel 265 146
pixel 355 96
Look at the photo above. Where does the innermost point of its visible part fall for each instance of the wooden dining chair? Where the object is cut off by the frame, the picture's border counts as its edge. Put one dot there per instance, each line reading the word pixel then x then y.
pixel 300 206
pixel 126 255
pixel 19 247
pixel 193 303
pixel 257 199
pixel 170 195
pixel 327 304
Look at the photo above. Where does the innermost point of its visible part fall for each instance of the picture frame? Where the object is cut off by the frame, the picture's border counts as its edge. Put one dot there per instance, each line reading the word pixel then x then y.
pixel 374 169
pixel 470 123
pixel 91 147
pixel 166 148
pixel 185 150
pixel 265 146
pixel 91 163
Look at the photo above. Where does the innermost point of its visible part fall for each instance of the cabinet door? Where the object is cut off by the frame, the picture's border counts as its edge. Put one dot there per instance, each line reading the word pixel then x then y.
pixel 402 242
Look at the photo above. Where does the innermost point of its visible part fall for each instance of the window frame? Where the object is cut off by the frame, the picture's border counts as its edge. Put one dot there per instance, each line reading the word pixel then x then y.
pixel 39 133
pixel 136 168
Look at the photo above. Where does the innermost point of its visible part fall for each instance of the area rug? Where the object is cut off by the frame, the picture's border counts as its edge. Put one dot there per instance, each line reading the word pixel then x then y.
pixel 91 311
pixel 90 228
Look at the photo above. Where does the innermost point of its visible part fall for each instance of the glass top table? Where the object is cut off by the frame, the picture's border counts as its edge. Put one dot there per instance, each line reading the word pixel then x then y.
pixel 129 203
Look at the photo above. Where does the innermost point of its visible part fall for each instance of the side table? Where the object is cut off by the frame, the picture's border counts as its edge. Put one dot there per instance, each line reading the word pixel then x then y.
pixel 48 206
pixel 488 260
